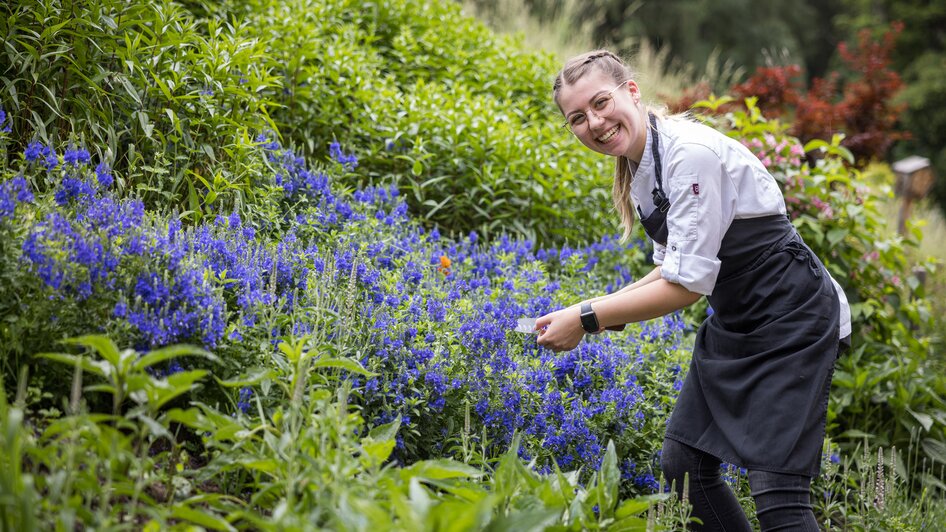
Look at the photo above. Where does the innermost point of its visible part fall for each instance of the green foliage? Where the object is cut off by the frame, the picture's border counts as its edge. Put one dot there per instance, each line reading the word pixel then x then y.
pixel 140 81
pixel 459 119
pixel 139 471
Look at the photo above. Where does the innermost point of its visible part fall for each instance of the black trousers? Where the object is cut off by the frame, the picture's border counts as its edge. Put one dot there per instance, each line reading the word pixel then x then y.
pixel 782 501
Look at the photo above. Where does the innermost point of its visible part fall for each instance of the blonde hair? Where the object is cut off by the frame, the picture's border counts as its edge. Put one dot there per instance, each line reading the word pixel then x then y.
pixel 611 65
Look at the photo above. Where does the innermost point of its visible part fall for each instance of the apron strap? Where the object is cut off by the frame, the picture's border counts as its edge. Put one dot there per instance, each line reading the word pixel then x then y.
pixel 661 202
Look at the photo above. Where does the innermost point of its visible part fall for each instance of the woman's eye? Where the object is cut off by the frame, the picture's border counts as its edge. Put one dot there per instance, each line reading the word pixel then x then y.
pixel 601 103
pixel 577 120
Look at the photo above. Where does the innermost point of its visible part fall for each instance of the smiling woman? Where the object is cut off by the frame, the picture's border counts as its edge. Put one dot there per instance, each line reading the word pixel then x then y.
pixel 756 393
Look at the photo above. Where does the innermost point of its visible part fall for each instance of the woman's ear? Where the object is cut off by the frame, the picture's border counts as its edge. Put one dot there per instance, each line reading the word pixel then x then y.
pixel 634 91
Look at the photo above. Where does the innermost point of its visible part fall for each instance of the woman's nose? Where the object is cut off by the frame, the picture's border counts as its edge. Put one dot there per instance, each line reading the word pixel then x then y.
pixel 593 119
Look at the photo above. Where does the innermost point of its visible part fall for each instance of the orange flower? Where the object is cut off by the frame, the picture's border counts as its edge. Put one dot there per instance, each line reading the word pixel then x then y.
pixel 445 263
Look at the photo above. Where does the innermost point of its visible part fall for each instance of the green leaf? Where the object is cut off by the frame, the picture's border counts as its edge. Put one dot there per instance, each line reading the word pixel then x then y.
pixel 935 449
pixel 207 520
pixel 609 476
pixel 180 383
pixel 440 469
pixel 100 368
pixel 343 363
pixel 836 235
pixel 925 420
pixel 378 450
pixel 638 505
pixel 526 520
pixel 191 417
pixel 252 378
pixel 103 345
pixel 387 431
pixel 166 353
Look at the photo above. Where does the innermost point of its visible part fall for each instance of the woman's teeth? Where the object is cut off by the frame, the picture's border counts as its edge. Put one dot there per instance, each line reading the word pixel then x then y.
pixel 607 136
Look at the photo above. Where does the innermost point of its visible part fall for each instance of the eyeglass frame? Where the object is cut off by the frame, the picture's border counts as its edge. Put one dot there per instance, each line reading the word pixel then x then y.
pixel 567 125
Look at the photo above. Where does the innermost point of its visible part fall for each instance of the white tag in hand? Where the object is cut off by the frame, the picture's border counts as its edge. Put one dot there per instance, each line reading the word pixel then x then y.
pixel 526 326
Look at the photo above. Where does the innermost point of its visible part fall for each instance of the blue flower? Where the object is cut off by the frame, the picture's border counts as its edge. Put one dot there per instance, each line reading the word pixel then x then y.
pixel 104 175
pixel 349 162
pixel 76 156
pixel 243 403
pixel 16 190
pixel 5 126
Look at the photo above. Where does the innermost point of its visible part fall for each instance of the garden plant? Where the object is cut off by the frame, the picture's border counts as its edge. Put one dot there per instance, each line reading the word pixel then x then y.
pixel 261 265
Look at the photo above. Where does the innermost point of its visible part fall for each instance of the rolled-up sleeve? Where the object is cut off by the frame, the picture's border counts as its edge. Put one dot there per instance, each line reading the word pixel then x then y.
pixel 659 252
pixel 697 219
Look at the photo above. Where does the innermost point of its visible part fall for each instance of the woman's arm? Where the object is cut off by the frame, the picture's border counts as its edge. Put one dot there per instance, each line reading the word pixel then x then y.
pixel 658 297
pixel 652 276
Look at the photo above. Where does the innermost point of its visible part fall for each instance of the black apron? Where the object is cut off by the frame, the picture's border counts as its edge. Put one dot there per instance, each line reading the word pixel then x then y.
pixel 756 394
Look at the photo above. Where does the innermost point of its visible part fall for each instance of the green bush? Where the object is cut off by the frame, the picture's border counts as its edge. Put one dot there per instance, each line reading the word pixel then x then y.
pixel 461 120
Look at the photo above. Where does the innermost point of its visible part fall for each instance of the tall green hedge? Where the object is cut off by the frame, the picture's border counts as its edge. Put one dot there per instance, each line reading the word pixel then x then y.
pixel 460 119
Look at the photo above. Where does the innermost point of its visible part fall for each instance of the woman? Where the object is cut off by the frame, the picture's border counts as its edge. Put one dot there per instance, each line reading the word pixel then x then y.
pixel 757 389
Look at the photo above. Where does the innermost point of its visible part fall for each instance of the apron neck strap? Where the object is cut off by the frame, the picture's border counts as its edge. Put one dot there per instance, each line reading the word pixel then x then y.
pixel 661 202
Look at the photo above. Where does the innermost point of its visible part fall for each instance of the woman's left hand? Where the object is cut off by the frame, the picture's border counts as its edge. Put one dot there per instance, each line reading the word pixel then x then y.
pixel 562 329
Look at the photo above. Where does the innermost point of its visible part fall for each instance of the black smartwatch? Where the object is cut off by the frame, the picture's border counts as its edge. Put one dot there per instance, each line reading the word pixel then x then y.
pixel 589 320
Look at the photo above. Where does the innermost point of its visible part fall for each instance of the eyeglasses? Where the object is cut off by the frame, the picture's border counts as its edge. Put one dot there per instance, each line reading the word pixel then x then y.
pixel 602 107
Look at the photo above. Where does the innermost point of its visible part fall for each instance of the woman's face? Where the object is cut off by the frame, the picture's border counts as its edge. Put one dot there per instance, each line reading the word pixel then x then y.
pixel 621 130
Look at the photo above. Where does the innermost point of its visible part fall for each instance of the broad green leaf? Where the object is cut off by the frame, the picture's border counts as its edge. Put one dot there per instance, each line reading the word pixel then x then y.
pixel 166 353
pixel 191 417
pixel 264 465
pixel 378 450
pixel 180 384
pixel 251 378
pixel 103 345
pixel 440 469
pixel 935 449
pixel 526 520
pixel 387 431
pixel 343 363
pixel 629 524
pixel 609 476
pixel 96 367
pixel 208 520
pixel 637 505
pixel 836 235
pixel 925 420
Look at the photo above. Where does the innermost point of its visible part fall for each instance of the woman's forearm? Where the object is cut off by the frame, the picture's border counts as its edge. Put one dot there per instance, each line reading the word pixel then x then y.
pixel 651 276
pixel 648 301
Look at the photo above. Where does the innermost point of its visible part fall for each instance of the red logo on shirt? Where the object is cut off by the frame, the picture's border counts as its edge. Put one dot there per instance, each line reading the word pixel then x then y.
pixel 696 188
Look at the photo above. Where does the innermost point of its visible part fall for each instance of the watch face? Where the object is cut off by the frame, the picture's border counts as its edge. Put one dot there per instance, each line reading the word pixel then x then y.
pixel 589 321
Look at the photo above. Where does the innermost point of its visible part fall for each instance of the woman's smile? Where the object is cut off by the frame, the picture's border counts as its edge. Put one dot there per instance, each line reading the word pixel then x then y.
pixel 608 135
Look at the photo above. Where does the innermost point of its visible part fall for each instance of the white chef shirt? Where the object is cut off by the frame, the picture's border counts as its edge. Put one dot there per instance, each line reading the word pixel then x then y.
pixel 711 180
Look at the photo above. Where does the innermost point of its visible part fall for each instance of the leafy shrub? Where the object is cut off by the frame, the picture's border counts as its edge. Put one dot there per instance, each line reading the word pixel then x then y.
pixel 459 120
pixel 862 104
